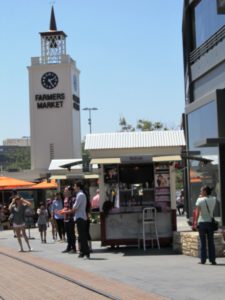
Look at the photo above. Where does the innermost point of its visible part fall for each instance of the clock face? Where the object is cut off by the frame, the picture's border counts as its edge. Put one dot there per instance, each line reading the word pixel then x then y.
pixel 49 80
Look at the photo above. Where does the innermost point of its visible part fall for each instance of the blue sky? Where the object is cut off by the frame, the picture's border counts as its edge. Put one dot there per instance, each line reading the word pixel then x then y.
pixel 129 53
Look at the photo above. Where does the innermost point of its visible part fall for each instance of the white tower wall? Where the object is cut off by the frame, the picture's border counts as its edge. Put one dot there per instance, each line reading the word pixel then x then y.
pixel 55 131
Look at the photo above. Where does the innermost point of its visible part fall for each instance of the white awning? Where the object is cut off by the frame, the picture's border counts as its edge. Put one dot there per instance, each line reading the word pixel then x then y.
pixel 166 158
pixel 56 164
pixel 91 176
pixel 58 177
pixel 105 161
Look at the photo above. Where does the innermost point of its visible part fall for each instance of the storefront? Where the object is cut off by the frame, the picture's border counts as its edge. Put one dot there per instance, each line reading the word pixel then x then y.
pixel 137 170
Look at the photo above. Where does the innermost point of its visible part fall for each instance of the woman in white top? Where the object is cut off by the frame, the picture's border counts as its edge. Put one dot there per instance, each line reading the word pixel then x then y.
pixel 205 206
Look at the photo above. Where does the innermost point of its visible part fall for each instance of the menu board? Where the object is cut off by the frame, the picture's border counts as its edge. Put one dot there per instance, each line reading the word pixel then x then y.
pixel 162 187
pixel 162 194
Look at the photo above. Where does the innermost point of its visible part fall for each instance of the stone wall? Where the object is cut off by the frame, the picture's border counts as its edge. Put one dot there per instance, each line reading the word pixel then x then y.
pixel 95 231
pixel 188 243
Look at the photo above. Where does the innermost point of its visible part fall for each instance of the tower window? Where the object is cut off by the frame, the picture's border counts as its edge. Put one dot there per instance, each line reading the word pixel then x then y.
pixel 52 151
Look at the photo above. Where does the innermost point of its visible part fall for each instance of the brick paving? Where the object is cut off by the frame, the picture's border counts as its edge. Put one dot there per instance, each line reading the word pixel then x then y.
pixel 20 281
pixel 126 272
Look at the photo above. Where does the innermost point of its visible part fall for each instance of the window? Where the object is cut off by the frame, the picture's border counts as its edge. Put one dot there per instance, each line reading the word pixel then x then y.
pixel 202 123
pixel 207 20
pixel 134 174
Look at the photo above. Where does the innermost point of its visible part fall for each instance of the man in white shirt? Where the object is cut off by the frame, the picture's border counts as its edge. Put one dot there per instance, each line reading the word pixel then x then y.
pixel 80 217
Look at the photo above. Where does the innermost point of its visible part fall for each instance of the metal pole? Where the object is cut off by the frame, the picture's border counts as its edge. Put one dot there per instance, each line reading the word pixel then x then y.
pixel 89 119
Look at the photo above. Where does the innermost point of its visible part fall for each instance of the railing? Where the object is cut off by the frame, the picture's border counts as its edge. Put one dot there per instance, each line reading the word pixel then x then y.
pixel 208 45
pixel 56 59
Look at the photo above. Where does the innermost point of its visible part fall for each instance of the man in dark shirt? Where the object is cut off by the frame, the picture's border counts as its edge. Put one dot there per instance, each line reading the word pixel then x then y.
pixel 69 220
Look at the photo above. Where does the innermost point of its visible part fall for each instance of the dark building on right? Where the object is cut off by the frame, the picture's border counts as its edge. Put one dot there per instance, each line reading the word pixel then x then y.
pixel 204 119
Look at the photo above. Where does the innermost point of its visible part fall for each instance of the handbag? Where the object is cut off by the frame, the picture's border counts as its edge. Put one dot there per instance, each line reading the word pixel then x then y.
pixel 214 223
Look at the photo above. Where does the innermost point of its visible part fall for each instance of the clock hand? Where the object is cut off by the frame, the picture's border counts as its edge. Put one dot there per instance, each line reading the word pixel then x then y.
pixel 50 81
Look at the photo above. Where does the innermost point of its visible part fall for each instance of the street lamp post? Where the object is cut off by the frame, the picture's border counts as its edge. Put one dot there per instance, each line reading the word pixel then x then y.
pixel 89 119
pixel 27 139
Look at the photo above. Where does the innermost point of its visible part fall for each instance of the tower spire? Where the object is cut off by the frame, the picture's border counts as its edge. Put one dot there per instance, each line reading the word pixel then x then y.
pixel 53 42
pixel 52 26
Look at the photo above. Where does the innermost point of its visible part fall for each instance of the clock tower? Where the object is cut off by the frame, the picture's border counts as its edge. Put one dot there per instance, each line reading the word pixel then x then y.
pixel 54 101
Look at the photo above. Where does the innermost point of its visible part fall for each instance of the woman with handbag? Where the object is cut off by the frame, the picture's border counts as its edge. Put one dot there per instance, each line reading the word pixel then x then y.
pixel 205 206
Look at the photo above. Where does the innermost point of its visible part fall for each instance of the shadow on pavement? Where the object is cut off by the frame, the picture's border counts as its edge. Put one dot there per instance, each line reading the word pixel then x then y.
pixel 133 251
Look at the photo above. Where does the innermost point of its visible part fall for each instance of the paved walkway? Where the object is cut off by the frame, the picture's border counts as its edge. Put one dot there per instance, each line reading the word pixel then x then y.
pixel 127 273
pixel 22 280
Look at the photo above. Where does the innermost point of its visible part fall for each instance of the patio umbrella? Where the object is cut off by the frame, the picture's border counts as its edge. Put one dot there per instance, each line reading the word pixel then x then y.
pixel 9 183
pixel 44 185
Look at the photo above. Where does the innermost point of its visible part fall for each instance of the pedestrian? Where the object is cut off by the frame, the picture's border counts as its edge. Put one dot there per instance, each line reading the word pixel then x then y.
pixel 205 206
pixel 180 203
pixel 52 219
pixel 17 207
pixel 95 202
pixel 42 222
pixel 57 205
pixel 2 217
pixel 88 212
pixel 69 220
pixel 13 194
pixel 79 209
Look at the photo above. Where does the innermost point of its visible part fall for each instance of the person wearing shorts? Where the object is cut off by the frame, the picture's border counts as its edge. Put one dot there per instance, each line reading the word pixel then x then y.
pixel 17 207
pixel 42 222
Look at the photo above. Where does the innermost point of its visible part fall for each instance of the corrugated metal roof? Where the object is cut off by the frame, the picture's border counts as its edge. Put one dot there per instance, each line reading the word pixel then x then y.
pixel 143 139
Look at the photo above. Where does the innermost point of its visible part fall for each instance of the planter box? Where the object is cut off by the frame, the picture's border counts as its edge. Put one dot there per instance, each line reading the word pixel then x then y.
pixel 188 243
pixel 95 231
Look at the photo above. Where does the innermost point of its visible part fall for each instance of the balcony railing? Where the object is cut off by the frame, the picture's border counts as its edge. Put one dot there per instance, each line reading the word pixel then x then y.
pixel 207 45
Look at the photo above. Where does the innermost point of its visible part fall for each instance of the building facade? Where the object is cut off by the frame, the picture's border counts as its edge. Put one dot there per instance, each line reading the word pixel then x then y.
pixel 54 101
pixel 24 141
pixel 204 121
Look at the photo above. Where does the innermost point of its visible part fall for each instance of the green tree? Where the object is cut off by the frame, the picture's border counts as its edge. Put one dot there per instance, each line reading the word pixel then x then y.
pixel 179 179
pixel 125 126
pixel 142 125
pixel 159 126
pixel 17 158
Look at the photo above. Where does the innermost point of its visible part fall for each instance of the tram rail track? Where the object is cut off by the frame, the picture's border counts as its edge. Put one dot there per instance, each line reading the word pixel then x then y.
pixel 95 291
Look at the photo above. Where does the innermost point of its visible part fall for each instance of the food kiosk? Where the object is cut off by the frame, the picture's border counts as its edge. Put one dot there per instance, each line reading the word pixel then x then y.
pixel 137 170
